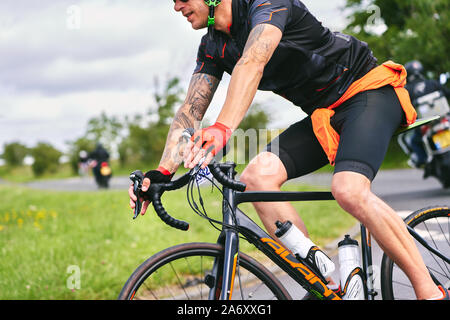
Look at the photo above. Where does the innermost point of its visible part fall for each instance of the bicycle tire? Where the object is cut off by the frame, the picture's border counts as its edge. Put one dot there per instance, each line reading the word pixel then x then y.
pixel 181 286
pixel 433 224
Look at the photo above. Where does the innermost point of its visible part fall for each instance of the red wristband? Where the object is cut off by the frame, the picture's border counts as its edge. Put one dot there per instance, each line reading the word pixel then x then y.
pixel 164 171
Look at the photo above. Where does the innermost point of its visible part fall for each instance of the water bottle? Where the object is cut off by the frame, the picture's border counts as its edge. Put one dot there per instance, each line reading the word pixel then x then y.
pixel 302 246
pixel 352 285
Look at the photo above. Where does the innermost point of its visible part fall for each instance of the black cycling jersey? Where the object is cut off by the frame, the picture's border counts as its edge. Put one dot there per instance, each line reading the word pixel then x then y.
pixel 311 67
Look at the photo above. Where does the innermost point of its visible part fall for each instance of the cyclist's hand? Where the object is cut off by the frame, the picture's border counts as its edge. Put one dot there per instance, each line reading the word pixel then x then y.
pixel 159 175
pixel 133 197
pixel 206 143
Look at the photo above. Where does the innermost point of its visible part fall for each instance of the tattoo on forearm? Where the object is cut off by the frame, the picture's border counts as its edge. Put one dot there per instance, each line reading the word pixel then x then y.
pixel 257 48
pixel 199 96
pixel 202 89
pixel 184 121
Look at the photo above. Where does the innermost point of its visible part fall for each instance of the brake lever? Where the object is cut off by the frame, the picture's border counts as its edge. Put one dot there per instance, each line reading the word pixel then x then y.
pixel 137 177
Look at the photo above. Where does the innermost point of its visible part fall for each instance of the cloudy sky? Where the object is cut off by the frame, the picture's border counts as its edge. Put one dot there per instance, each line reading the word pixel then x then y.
pixel 64 62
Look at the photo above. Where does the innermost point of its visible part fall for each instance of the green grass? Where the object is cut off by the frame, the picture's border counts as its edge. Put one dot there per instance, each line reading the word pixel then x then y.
pixel 22 174
pixel 44 233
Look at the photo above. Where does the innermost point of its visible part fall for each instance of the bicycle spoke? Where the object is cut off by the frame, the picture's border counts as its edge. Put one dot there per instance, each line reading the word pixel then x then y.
pixel 447 239
pixel 179 280
pixel 442 230
pixel 402 284
pixel 151 291
pixel 429 234
pixel 438 261
pixel 195 280
pixel 434 271
pixel 251 293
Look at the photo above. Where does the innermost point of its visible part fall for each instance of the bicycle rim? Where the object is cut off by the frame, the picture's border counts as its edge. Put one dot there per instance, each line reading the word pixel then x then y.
pixel 183 272
pixel 433 225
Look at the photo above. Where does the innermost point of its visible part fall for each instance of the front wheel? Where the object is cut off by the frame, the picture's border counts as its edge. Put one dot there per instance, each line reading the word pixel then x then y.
pixel 433 225
pixel 184 272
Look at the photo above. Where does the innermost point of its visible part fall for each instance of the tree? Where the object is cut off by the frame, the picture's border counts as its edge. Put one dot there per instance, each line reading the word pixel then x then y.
pixel 146 139
pixel 14 153
pixel 104 129
pixel 167 100
pixel 415 30
pixel 255 119
pixel 46 159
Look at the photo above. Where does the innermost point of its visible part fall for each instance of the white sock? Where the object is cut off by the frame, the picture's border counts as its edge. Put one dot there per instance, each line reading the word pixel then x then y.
pixel 439 297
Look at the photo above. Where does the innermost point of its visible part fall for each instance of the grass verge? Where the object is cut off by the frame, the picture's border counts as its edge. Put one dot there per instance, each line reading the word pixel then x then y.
pixel 47 237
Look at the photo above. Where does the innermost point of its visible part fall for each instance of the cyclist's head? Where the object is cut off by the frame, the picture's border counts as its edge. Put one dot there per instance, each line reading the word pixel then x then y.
pixel 201 16
pixel 414 69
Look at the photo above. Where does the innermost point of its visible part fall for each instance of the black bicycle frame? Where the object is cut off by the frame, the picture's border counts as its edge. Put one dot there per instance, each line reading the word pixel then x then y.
pixel 299 270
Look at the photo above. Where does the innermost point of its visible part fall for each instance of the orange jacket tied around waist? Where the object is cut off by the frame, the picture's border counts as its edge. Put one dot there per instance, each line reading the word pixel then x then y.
pixel 389 73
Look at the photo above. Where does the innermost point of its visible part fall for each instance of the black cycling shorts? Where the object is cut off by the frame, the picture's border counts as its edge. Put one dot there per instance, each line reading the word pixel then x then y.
pixel 365 123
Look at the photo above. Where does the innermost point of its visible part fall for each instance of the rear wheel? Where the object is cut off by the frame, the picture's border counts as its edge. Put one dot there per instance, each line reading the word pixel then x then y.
pixel 433 225
pixel 184 272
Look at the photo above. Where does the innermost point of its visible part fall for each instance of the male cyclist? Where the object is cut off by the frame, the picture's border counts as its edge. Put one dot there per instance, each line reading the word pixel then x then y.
pixel 354 107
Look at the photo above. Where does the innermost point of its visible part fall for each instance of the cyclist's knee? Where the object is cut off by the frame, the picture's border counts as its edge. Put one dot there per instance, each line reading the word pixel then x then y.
pixel 264 172
pixel 351 191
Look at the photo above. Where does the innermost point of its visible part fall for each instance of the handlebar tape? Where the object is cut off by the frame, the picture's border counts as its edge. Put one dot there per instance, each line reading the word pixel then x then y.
pixel 164 216
pixel 225 180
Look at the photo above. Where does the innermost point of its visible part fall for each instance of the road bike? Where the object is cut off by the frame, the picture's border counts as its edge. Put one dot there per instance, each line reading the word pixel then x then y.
pixel 221 271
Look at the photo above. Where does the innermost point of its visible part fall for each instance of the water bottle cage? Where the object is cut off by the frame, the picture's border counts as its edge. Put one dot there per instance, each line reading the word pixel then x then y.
pixel 310 262
pixel 356 271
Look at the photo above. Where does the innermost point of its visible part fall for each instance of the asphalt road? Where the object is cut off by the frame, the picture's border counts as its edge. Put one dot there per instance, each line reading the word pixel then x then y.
pixel 403 190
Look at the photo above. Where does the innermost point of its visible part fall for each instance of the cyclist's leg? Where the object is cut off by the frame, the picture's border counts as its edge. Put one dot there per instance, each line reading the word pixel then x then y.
pixel 271 180
pixel 294 153
pixel 366 125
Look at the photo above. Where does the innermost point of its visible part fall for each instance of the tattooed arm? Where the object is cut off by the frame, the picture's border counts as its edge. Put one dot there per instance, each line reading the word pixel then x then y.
pixel 199 96
pixel 200 93
pixel 261 43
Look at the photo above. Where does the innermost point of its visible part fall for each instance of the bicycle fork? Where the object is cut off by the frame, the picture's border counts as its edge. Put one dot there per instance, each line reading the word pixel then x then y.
pixel 221 280
pixel 225 268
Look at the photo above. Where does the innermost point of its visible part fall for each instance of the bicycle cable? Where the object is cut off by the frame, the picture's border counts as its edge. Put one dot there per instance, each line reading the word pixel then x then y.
pixel 196 209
